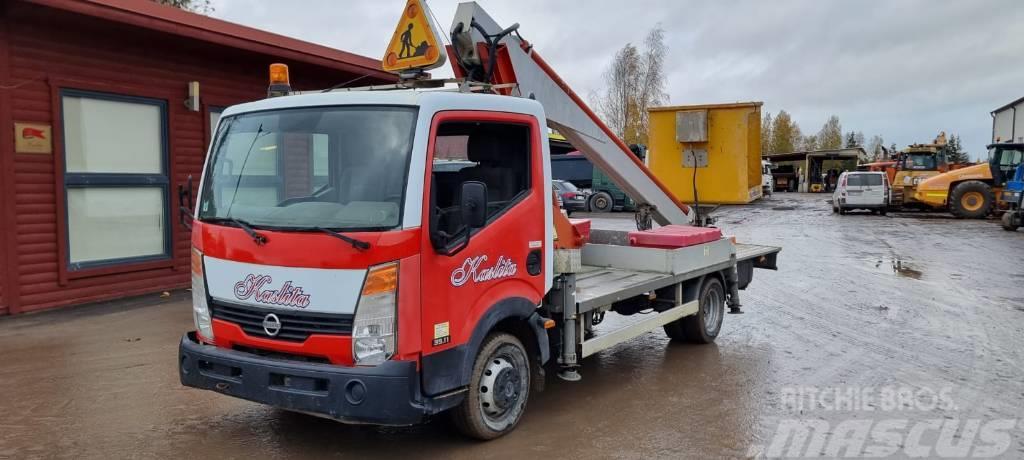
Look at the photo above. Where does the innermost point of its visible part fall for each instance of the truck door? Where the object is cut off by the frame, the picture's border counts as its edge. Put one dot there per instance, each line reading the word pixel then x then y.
pixel 503 260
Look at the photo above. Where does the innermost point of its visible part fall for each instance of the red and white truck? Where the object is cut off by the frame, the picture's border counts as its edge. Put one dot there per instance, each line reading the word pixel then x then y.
pixel 341 267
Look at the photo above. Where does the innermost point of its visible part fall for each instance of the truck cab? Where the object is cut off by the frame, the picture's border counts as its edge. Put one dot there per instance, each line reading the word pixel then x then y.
pixel 916 163
pixel 324 236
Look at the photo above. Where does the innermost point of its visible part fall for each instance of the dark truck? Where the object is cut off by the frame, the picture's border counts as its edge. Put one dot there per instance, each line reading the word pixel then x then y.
pixel 571 166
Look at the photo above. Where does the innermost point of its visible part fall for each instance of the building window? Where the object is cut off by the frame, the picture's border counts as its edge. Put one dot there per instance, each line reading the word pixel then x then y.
pixel 115 178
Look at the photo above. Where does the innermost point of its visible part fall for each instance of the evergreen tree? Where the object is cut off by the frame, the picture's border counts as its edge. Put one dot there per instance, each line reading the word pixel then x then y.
pixel 955 152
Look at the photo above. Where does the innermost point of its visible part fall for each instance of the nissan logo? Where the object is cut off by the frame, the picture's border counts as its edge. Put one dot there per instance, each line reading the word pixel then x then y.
pixel 271 324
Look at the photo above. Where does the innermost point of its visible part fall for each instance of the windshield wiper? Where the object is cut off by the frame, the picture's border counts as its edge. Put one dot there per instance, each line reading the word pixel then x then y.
pixel 358 244
pixel 258 237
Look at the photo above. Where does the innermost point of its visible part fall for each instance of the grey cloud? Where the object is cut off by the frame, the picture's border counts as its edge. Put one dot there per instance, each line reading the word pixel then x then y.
pixel 904 69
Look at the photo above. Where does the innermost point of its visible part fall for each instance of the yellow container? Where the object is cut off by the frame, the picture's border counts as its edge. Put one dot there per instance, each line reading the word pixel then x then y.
pixel 722 140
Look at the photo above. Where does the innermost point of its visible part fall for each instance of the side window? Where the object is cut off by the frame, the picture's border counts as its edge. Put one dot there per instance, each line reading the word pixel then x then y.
pixel 496 154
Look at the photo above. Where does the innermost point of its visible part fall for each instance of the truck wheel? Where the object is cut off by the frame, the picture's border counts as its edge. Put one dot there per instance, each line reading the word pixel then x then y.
pixel 498 389
pixel 601 202
pixel 705 325
pixel 1009 223
pixel 971 200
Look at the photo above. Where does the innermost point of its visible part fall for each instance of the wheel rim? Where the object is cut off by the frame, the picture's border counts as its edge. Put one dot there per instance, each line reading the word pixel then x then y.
pixel 972 201
pixel 600 202
pixel 712 311
pixel 503 387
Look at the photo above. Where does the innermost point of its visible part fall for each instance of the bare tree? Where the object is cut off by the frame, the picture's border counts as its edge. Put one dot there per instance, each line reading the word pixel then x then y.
pixel 634 82
pixel 195 6
pixel 875 152
pixel 831 134
pixel 766 134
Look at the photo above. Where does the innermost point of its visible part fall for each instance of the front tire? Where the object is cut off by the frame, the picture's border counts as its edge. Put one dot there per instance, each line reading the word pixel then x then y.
pixel 707 323
pixel 971 200
pixel 1009 223
pixel 498 389
pixel 601 202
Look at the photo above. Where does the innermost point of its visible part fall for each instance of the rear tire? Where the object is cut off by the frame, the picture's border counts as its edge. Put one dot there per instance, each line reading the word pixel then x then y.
pixel 841 210
pixel 882 212
pixel 499 388
pixel 707 323
pixel 971 200
pixel 601 202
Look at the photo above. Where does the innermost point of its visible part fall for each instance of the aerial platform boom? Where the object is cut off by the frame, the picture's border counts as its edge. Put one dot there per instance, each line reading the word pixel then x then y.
pixel 512 60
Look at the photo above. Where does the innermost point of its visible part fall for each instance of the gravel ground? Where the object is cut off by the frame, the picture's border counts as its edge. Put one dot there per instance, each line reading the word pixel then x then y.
pixel 894 336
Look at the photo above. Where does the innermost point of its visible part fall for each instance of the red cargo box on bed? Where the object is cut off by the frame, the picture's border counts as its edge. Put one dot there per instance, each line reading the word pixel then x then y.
pixel 674 236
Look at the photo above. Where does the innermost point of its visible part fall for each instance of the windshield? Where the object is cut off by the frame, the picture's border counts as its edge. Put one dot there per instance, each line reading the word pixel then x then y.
pixel 1004 156
pixel 918 161
pixel 340 168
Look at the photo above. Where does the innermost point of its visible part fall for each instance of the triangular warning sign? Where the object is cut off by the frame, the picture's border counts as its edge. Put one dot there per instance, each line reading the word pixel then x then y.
pixel 415 43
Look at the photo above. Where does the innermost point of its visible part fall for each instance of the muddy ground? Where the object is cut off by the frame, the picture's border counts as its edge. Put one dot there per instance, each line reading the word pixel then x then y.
pixel 909 304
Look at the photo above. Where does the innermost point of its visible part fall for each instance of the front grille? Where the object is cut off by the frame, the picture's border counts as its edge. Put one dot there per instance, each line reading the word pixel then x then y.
pixel 296 326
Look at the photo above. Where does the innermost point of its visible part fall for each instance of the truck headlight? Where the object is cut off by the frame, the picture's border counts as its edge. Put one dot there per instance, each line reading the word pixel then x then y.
pixel 200 310
pixel 373 333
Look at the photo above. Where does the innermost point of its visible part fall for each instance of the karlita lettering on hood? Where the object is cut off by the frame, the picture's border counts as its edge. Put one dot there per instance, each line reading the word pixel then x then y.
pixel 253 287
pixel 471 270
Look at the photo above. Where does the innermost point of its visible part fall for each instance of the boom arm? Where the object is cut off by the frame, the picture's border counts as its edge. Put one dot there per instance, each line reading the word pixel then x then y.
pixel 516 62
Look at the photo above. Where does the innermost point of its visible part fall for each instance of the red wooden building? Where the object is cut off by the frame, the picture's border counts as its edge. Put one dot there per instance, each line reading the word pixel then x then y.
pixel 96 135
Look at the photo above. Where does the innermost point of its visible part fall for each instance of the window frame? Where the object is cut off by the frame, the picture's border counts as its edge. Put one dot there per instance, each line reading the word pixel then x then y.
pixel 85 180
pixel 482 117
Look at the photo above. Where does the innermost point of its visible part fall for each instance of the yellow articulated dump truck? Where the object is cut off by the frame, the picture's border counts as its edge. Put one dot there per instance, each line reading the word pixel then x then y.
pixel 707 154
pixel 914 164
pixel 971 192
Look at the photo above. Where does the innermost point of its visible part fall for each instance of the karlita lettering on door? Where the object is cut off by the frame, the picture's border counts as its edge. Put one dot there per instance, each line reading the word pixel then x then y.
pixel 472 270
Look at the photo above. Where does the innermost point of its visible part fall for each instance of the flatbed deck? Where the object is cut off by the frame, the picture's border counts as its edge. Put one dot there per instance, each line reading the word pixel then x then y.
pixel 603 283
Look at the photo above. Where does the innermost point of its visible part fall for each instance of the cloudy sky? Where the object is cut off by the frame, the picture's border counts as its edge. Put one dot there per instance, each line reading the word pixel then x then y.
pixel 903 69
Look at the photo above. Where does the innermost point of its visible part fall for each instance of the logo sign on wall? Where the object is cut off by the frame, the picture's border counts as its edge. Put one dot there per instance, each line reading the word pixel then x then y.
pixel 33 138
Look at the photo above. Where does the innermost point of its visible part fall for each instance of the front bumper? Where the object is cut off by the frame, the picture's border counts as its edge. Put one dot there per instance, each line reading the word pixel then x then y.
pixel 387 394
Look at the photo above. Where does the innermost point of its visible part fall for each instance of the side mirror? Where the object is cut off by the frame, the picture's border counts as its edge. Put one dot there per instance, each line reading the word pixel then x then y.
pixel 474 204
pixel 185 203
pixel 473 210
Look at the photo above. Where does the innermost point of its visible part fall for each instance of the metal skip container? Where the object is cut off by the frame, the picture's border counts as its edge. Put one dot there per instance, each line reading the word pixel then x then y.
pixel 722 142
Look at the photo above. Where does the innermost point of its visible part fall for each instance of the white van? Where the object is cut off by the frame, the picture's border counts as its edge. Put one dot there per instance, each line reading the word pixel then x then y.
pixel 767 183
pixel 861 190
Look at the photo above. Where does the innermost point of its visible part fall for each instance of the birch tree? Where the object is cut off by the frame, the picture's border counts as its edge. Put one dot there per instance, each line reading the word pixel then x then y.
pixel 634 82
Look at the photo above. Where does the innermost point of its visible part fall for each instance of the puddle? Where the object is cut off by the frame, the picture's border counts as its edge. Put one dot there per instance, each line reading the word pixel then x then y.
pixel 896 265
pixel 902 268
pixel 783 208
